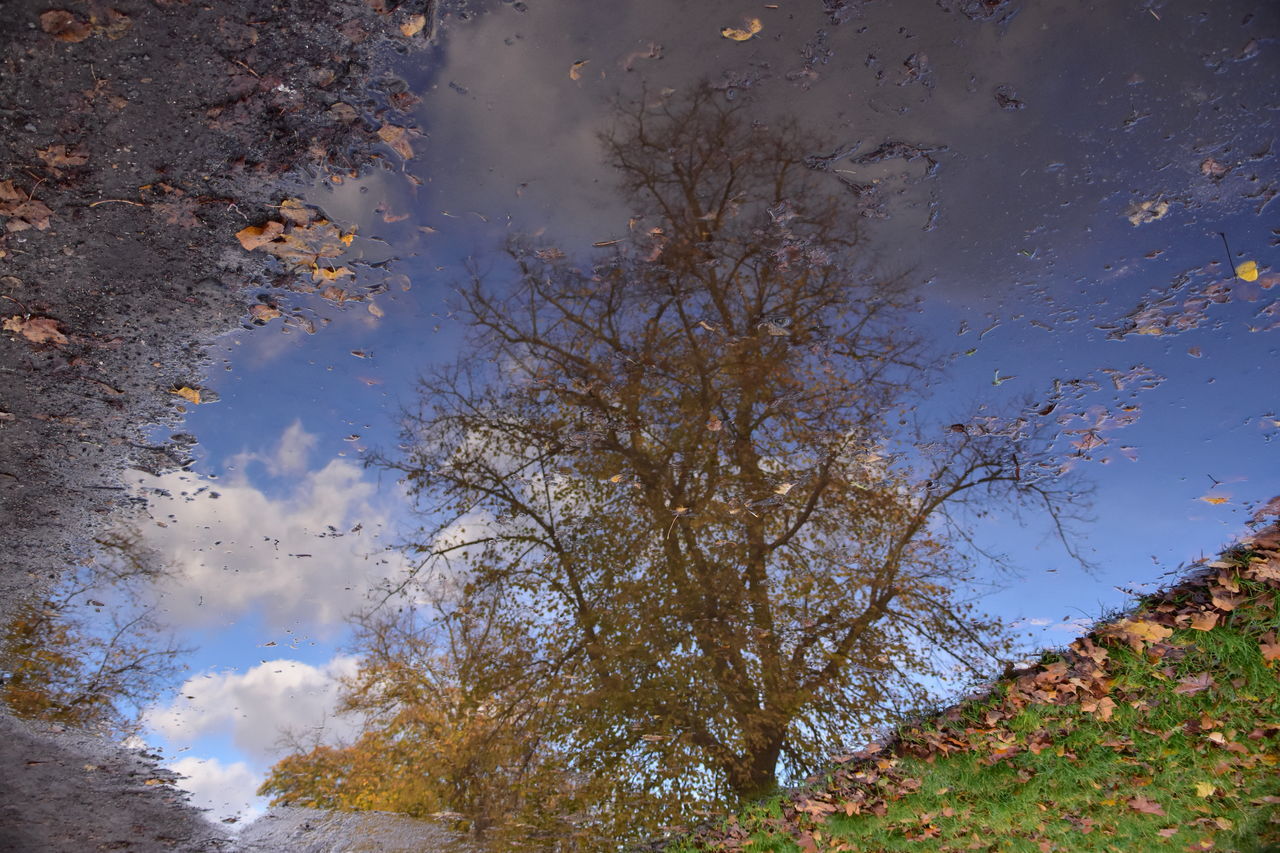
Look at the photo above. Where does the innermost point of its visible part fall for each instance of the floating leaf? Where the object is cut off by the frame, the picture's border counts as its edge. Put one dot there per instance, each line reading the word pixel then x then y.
pixel 191 395
pixel 575 70
pixel 375 310
pixel 1216 500
pixel 263 312
pixel 752 27
pixel 1248 271
pixel 398 139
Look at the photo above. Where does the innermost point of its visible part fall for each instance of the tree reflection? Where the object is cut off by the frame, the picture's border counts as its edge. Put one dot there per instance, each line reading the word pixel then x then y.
pixel 679 480
pixel 92 654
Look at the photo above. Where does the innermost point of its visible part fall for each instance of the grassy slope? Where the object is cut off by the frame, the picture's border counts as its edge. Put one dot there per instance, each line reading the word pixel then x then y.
pixel 1159 730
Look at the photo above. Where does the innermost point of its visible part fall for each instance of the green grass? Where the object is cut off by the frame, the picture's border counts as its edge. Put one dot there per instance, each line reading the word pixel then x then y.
pixel 1072 780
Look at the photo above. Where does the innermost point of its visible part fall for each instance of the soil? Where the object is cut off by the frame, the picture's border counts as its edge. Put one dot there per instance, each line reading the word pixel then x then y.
pixel 139 137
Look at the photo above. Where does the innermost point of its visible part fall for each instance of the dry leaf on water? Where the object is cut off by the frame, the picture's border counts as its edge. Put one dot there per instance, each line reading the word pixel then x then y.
pixel 752 27
pixel 263 312
pixel 575 70
pixel 191 395
pixel 38 330
pixel 398 139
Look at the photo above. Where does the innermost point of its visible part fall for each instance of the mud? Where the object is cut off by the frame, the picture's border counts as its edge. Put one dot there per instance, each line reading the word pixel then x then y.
pixel 138 139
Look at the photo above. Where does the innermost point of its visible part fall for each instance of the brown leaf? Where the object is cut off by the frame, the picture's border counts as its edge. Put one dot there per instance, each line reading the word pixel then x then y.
pixel 263 312
pixel 64 26
pixel 1194 684
pixel 1227 601
pixel 62 156
pixel 257 236
pixel 1101 708
pixel 398 139
pixel 1204 620
pixel 1269 646
pixel 38 330
pixel 1146 806
pixel 181 212
pixel 296 212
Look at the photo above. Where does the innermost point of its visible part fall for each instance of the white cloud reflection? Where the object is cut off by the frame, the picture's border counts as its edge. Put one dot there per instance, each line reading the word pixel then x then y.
pixel 302 550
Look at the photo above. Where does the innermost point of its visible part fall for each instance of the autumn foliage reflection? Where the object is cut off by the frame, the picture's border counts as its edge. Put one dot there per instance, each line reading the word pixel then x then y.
pixel 672 489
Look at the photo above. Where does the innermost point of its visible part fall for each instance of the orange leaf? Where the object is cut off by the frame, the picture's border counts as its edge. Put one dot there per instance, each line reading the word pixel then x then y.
pixel 256 236
pixel 1269 646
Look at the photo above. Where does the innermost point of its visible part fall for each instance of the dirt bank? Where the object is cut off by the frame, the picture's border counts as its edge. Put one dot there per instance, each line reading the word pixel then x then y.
pixel 139 137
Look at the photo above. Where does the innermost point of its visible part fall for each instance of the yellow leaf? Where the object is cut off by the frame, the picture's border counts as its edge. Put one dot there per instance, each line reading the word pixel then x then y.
pixel 575 70
pixel 1248 271
pixel 263 312
pixel 323 274
pixel 1204 789
pixel 1214 499
pixel 187 393
pixel 753 26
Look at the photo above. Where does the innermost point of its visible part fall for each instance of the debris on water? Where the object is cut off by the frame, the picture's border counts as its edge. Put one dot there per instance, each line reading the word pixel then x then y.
pixel 1141 213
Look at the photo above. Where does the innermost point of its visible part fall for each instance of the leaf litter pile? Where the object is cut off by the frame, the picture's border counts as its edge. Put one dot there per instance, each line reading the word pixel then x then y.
pixel 1158 730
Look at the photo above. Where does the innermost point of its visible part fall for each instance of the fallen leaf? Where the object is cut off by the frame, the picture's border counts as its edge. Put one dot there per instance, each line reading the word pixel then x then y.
pixel 375 310
pixel 1248 271
pixel 1204 789
pixel 713 424
pixel 1145 806
pixel 1214 499
pixel 64 26
pixel 191 395
pixel 1204 621
pixel 334 294
pixel 296 212
pixel 257 236
pixel 413 26
pixel 1227 601
pixel 117 24
pixel 575 70
pixel 1101 708
pixel 330 274
pixel 38 330
pixel 263 312
pixel 62 156
pixel 752 27
pixel 1269 646
pixel 398 139
pixel 1194 684
pixel 784 488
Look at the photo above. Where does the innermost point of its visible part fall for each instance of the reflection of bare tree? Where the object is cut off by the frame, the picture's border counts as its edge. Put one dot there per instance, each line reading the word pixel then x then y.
pixel 678 474
pixel 92 654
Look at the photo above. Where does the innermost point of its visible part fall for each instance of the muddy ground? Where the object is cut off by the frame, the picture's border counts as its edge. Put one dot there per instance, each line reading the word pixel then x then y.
pixel 138 137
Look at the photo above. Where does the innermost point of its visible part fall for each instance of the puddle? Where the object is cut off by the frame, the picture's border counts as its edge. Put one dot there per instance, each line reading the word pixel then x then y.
pixel 1046 187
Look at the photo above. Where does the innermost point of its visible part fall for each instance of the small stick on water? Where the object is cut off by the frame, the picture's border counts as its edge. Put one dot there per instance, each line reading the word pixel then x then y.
pixel 1230 262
